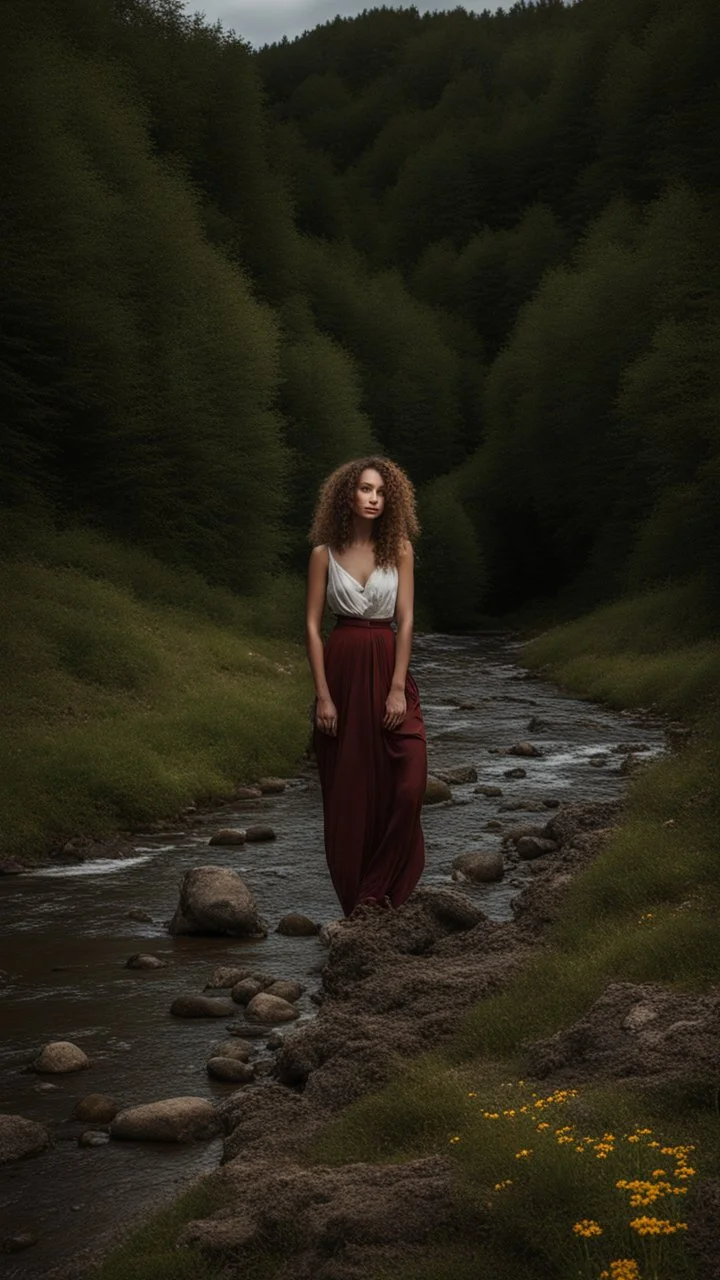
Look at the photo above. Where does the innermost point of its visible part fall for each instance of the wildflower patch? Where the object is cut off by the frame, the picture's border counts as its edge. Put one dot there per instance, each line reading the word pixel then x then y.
pixel 599 1204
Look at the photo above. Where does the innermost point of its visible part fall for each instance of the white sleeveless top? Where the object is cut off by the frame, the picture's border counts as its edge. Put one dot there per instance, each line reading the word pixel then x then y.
pixel 346 598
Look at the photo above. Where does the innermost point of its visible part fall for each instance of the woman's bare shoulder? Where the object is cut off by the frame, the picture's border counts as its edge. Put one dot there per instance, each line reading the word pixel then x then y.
pixel 319 556
pixel 406 551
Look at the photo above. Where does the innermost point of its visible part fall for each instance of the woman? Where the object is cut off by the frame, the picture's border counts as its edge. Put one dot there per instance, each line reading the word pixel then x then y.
pixel 369 734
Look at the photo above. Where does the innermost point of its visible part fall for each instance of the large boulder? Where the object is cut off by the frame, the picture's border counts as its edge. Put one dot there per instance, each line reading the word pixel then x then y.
pixel 60 1056
pixel 270 1009
pixel 215 900
pixel 436 791
pixel 271 786
pixel 20 1137
pixel 170 1120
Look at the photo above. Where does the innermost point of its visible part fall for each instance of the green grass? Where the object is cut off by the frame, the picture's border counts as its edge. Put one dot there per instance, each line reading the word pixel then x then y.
pixel 150 1251
pixel 130 690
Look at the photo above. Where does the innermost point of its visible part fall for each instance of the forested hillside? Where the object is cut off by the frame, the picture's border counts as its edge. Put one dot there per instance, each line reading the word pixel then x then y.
pixel 487 244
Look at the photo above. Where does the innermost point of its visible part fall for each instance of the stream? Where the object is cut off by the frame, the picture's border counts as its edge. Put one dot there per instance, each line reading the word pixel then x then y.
pixel 66 935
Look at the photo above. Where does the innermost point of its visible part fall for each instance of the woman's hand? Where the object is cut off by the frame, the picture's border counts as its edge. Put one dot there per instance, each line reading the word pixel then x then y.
pixel 395 709
pixel 326 716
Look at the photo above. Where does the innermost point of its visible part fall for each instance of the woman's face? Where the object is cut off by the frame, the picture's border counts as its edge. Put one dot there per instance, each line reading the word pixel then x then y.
pixel 369 497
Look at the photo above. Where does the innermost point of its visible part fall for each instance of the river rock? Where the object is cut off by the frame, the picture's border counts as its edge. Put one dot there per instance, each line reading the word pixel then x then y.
pixel 20 1137
pixel 295 925
pixel 493 825
pixel 529 803
pixel 248 793
pixel 453 911
pixel 458 775
pixel 524 749
pixel 246 1031
pixel 271 786
pixel 225 977
pixel 485 790
pixel 11 867
pixel 193 1006
pixel 537 725
pixel 145 961
pixel 170 1120
pixel 231 1049
pixel 215 900
pixel 513 834
pixel 286 989
pixel 518 772
pixel 246 990
pixel 97 1108
pixel 260 832
pixel 270 1009
pixel 480 868
pixel 139 914
pixel 436 791
pixel 627 748
pixel 60 1056
pixel 228 835
pixel 15 1244
pixel 534 846
pixel 93 1138
pixel 231 1070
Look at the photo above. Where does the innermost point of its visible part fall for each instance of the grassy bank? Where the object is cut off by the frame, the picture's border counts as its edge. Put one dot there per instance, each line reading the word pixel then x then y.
pixel 131 689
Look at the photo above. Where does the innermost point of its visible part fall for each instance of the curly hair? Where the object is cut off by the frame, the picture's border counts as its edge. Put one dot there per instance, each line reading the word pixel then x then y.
pixel 333 519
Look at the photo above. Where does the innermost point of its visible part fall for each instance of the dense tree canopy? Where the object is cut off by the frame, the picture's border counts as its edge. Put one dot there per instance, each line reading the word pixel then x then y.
pixel 487 244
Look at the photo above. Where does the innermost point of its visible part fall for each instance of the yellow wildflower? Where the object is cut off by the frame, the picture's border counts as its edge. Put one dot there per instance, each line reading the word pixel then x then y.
pixel 657 1226
pixel 587 1227
pixel 621 1269
pixel 456 1138
pixel 519 1155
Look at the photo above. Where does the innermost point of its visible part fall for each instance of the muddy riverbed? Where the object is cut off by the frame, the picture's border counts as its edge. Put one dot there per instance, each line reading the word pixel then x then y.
pixel 66 934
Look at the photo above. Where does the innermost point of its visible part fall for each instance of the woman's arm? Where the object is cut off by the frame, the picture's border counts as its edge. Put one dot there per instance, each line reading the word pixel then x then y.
pixel 396 705
pixel 325 710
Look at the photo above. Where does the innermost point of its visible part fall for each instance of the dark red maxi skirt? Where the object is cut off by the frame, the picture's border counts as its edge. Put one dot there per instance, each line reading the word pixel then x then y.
pixel 373 779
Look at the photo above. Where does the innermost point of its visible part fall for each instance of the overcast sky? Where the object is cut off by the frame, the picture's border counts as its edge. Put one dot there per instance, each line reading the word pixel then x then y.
pixel 262 21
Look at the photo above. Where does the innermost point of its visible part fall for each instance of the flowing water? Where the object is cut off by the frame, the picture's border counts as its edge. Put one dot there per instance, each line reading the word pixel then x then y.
pixel 66 934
